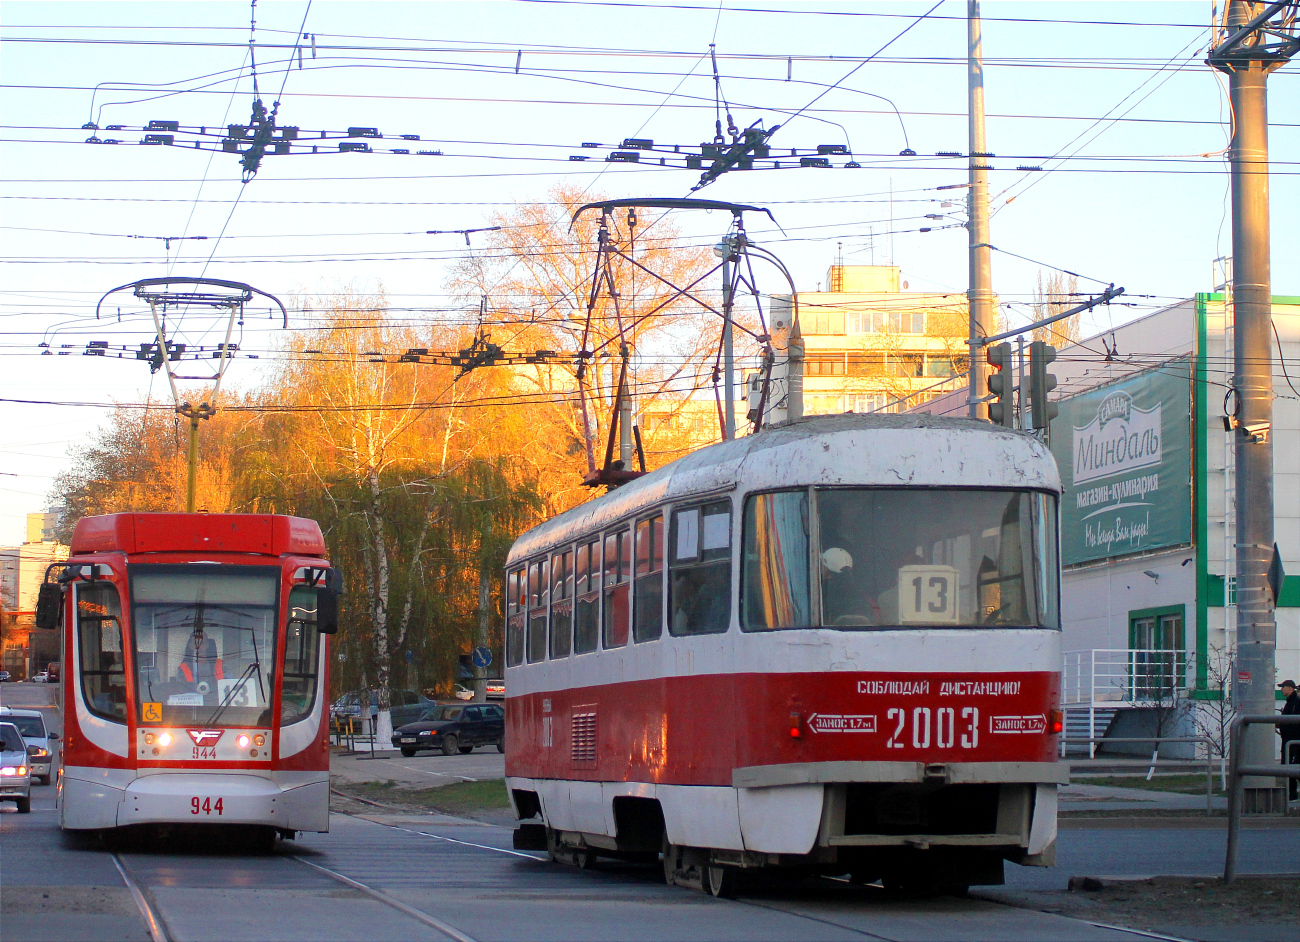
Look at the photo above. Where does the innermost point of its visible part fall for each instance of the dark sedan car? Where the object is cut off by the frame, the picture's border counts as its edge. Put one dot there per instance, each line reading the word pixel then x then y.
pixel 454 728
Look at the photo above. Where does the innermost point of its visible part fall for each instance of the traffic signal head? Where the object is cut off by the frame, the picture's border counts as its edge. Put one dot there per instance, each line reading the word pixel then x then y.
pixel 1041 383
pixel 1001 385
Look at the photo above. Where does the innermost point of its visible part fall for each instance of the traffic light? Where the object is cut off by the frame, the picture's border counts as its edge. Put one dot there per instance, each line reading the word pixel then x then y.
pixel 1001 409
pixel 1041 383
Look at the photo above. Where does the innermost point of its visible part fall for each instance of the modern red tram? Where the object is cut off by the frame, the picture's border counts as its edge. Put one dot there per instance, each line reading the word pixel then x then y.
pixel 832 646
pixel 195 671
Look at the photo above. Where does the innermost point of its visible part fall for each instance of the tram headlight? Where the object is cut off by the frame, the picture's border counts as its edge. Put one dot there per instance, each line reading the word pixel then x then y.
pixel 164 739
pixel 242 741
pixel 259 740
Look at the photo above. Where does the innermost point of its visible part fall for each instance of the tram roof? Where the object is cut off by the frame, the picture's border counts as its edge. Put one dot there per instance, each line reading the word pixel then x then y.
pixel 268 534
pixel 866 450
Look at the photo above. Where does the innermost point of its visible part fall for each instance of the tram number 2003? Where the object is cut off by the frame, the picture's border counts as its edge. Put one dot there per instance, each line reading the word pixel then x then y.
pixel 206 806
pixel 944 728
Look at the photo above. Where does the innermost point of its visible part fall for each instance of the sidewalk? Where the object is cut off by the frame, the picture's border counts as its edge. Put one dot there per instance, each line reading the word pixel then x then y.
pixel 1080 797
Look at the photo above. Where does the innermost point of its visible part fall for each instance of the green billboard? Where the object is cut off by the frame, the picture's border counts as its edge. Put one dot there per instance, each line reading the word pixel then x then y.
pixel 1124 450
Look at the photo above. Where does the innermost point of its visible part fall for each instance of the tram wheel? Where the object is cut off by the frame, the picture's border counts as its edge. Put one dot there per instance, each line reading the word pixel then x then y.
pixel 450 744
pixel 408 753
pixel 670 855
pixel 720 881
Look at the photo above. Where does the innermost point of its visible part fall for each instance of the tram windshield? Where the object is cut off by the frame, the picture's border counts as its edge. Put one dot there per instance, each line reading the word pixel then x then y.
pixel 204 642
pixel 900 557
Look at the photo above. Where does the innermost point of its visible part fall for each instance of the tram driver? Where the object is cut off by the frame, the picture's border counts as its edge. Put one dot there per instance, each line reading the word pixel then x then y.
pixel 201 665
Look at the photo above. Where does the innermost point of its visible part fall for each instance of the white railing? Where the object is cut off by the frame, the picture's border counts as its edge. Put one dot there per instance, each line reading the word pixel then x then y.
pixel 1122 677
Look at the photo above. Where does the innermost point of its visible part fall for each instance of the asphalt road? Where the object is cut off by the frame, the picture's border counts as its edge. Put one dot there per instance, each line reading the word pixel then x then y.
pixel 381 877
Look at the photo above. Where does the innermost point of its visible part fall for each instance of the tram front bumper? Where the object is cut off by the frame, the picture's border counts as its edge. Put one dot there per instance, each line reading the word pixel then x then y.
pixel 224 798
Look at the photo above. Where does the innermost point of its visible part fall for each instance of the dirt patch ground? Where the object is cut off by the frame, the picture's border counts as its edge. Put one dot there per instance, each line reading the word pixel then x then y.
pixel 1183 784
pixel 483 800
pixel 1252 908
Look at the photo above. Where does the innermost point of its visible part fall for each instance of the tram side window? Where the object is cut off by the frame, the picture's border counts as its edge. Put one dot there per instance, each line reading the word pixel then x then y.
pixel 301 656
pixel 516 586
pixel 775 590
pixel 539 599
pixel 618 559
pixel 586 603
pixel 699 585
pixel 561 604
pixel 648 614
pixel 99 643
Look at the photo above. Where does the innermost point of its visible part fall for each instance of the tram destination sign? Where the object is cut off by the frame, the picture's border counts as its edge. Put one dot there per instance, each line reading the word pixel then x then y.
pixel 1124 451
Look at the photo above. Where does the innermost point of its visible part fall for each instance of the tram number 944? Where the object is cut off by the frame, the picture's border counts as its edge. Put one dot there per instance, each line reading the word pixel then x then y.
pixel 206 806
pixel 204 752
pixel 943 728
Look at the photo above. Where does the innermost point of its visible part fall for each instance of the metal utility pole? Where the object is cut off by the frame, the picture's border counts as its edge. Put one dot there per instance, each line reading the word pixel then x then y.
pixel 1258 39
pixel 979 295
pixel 728 357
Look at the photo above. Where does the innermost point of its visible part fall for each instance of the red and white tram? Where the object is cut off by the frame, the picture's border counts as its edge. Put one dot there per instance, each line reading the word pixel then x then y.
pixel 832 646
pixel 195 671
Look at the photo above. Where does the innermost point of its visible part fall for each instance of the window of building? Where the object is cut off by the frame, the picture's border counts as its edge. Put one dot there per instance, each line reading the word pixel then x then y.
pixel 866 364
pixel 586 602
pixel 99 645
pixel 1158 662
pixel 539 597
pixel 814 320
pixel 775 588
pixel 699 586
pixel 824 365
pixel 909 365
pixel 940 366
pixel 617 611
pixel 648 617
pixel 561 604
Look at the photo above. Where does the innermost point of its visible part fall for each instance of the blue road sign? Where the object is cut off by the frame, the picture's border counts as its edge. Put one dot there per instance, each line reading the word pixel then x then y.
pixel 482 657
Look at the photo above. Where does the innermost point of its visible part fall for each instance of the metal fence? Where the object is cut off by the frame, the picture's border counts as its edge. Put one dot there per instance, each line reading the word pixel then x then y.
pixel 1144 676
pixel 1237 771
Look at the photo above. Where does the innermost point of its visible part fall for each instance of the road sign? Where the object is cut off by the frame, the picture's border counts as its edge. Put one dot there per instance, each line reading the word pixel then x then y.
pixel 482 657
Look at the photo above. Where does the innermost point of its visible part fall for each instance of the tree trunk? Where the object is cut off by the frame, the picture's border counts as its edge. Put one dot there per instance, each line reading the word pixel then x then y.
pixel 379 613
pixel 482 638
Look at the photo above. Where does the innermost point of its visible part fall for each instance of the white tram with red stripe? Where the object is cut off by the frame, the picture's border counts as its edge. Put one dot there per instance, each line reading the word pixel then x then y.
pixel 196 671
pixel 831 646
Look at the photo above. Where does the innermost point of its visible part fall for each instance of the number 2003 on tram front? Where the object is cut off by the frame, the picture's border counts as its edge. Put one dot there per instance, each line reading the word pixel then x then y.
pixel 832 645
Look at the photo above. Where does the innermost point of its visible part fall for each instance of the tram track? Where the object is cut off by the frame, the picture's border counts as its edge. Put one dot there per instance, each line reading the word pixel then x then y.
pixel 153 921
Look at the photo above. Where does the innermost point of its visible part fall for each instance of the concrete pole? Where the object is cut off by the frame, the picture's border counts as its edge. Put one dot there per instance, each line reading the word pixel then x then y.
pixel 625 414
pixel 192 471
pixel 728 359
pixel 979 295
pixel 1256 660
pixel 794 375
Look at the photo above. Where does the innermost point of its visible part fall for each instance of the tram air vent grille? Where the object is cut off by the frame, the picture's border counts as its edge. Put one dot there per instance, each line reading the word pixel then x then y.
pixel 582 742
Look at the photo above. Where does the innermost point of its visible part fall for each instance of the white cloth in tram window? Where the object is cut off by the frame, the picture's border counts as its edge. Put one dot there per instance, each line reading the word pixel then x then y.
pixel 836 559
pixel 688 535
pixel 717 530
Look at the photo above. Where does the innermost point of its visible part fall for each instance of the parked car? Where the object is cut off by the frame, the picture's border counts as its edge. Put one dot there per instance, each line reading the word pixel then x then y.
pixel 15 773
pixel 4 677
pixel 496 689
pixel 41 677
pixel 52 672
pixel 405 706
pixel 463 693
pixel 31 726
pixel 453 728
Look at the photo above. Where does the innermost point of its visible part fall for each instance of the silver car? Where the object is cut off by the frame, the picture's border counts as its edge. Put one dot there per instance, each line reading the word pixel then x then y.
pixel 31 725
pixel 15 773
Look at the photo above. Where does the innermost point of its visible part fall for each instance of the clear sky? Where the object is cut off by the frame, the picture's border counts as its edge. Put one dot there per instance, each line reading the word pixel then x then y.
pixel 509 91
